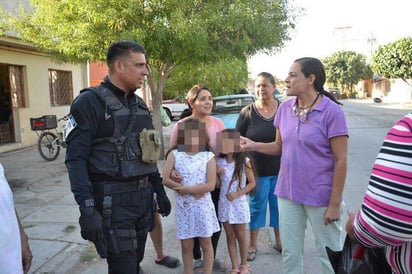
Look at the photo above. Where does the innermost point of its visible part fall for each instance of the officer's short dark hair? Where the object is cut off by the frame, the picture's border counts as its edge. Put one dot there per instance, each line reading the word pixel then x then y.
pixel 122 49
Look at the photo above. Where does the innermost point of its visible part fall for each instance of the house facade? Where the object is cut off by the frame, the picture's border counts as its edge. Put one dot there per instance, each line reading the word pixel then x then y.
pixel 389 90
pixel 32 85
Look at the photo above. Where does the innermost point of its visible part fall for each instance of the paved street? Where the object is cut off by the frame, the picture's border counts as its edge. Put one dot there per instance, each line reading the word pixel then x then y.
pixel 49 213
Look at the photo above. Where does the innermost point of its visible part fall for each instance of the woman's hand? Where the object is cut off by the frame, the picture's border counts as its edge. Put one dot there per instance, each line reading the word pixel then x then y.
pixel 246 144
pixel 185 189
pixel 220 171
pixel 349 224
pixel 182 189
pixel 175 176
pixel 332 214
pixel 27 256
pixel 198 196
pixel 232 196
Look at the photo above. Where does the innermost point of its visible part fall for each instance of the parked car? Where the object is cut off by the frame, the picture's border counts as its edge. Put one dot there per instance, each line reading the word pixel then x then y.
pixel 174 107
pixel 278 95
pixel 228 107
pixel 335 92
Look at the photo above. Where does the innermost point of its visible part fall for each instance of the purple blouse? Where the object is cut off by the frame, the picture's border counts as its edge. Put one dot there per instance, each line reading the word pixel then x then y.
pixel 306 168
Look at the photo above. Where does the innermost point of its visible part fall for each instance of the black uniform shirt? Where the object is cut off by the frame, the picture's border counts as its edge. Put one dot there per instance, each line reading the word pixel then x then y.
pixel 89 111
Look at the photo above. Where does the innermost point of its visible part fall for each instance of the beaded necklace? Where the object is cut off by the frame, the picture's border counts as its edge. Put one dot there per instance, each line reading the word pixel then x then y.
pixel 302 112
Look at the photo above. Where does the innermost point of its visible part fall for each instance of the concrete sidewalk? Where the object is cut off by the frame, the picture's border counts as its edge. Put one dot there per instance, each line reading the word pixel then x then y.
pixel 47 209
pixel 50 216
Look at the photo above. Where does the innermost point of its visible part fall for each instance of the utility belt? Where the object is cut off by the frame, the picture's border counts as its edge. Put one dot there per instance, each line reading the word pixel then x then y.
pixel 114 187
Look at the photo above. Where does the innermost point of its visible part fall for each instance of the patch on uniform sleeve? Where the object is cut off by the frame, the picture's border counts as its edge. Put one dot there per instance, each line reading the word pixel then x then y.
pixel 70 125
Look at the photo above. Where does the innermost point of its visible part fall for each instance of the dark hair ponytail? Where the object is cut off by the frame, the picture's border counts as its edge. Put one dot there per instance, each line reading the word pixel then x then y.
pixel 330 96
pixel 310 65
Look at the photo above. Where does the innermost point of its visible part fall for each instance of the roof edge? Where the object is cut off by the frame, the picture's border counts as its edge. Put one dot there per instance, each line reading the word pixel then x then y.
pixel 16 44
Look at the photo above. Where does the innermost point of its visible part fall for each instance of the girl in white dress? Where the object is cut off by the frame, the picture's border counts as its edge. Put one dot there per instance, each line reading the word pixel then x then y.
pixel 233 167
pixel 195 212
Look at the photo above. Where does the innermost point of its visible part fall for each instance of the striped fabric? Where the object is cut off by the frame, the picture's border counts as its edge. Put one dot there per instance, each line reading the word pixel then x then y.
pixel 385 218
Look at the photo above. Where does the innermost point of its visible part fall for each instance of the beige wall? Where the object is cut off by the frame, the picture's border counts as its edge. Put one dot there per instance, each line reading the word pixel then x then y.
pixel 36 85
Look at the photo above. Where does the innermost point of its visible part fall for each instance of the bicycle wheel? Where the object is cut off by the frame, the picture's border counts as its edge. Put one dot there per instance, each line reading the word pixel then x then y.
pixel 48 147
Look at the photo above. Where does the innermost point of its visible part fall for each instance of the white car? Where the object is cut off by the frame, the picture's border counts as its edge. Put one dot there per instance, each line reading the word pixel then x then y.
pixel 174 107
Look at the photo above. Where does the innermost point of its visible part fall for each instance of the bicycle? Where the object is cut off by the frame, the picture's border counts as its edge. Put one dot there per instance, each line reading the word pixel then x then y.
pixel 49 142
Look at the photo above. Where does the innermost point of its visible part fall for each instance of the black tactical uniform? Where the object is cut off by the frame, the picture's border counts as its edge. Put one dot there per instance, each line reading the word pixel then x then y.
pixel 108 176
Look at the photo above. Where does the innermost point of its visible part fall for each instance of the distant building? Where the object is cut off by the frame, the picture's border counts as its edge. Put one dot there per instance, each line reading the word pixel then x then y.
pixel 389 90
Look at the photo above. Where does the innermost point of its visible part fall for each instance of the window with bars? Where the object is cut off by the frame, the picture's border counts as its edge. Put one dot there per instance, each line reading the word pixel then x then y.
pixel 16 86
pixel 61 87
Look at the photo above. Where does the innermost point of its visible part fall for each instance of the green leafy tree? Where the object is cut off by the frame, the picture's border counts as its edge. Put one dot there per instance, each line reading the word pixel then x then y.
pixel 223 77
pixel 174 32
pixel 345 69
pixel 394 60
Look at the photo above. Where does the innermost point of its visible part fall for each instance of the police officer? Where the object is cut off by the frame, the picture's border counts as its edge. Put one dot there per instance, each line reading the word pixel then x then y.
pixel 111 183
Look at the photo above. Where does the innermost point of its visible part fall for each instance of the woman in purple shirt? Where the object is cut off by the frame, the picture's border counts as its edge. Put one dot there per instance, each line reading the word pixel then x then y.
pixel 312 137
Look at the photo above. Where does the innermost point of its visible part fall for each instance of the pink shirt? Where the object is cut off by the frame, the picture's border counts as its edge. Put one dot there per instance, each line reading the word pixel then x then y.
pixel 385 218
pixel 216 125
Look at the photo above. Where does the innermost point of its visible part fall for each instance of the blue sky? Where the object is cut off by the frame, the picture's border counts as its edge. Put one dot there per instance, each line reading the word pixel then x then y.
pixel 327 26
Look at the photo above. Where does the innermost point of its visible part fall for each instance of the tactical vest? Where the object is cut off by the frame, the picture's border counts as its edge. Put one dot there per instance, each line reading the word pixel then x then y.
pixel 120 154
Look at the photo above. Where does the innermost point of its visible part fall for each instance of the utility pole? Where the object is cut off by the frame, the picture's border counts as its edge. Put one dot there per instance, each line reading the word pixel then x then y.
pixel 371 40
pixel 343 35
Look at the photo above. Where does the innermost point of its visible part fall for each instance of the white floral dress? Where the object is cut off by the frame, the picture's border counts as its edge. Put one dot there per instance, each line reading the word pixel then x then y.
pixel 236 211
pixel 195 217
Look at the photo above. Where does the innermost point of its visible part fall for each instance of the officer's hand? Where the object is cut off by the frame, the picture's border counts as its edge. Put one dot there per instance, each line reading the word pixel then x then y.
pixel 164 205
pixel 91 228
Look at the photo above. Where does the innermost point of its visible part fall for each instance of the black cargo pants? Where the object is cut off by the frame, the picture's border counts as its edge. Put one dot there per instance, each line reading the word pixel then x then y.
pixel 132 217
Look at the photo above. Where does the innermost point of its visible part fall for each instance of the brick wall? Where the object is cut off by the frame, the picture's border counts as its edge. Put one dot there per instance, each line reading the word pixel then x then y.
pixel 98 70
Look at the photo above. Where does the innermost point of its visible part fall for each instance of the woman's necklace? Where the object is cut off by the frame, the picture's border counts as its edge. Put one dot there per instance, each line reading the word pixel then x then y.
pixel 310 105
pixel 302 112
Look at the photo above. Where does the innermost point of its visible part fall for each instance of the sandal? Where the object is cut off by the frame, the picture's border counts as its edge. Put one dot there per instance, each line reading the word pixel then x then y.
pixel 251 255
pixel 168 261
pixel 219 265
pixel 277 248
pixel 244 269
pixel 198 266
pixel 234 271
